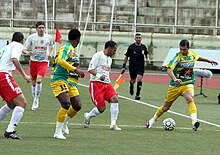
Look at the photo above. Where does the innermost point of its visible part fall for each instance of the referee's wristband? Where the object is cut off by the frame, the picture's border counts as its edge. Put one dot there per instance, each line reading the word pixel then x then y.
pixel 124 65
pixel 98 75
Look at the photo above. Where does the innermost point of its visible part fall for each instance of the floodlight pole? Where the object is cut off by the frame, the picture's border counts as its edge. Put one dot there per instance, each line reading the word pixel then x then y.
pixel 80 14
pixel 52 23
pixel 94 19
pixel 176 17
pixel 216 18
pixel 80 18
pixel 12 14
pixel 84 32
pixel 46 16
pixel 135 18
pixel 111 22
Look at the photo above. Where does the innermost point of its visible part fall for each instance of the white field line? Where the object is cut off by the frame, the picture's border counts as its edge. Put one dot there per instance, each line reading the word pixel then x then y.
pixel 133 126
pixel 107 125
pixel 153 106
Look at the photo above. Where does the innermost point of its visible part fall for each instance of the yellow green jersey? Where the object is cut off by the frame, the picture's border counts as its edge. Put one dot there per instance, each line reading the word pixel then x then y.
pixel 64 64
pixel 182 67
pixel 73 77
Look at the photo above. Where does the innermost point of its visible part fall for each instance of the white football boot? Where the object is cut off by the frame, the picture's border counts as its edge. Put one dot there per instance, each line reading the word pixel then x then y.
pixel 65 129
pixel 86 120
pixel 35 104
pixel 58 132
pixel 150 123
pixel 114 126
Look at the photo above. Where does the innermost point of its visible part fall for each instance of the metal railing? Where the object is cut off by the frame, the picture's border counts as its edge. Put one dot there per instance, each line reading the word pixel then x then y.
pixel 94 24
pixel 115 24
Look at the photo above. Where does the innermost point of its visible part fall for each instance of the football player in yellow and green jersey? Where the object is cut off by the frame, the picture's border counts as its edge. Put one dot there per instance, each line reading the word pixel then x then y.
pixel 182 67
pixel 64 63
pixel 180 70
pixel 65 90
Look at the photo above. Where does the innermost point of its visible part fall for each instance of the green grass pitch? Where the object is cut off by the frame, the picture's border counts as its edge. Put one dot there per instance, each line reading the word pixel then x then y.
pixel 37 127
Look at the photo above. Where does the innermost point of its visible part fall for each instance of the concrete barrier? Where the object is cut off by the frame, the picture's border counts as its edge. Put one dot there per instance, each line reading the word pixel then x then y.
pixel 158 44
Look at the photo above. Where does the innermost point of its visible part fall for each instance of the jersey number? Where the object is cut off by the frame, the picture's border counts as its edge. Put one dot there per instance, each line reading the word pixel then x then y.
pixel 63 87
pixel 18 90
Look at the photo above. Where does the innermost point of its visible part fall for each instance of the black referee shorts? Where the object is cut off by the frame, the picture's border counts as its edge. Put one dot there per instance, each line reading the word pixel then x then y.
pixel 135 72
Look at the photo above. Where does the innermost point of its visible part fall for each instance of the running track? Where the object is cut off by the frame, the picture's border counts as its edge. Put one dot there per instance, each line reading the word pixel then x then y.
pixel 213 82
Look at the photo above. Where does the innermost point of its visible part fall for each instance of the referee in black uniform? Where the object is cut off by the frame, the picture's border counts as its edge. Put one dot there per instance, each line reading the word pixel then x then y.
pixel 136 53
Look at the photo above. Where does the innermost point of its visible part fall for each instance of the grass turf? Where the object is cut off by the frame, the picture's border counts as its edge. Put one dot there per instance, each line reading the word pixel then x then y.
pixel 37 127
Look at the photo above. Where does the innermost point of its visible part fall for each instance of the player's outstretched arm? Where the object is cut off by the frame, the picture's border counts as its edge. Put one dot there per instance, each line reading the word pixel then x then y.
pixel 207 60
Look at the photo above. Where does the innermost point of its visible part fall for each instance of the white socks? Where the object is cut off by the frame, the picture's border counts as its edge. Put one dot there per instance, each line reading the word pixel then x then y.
pixel 38 89
pixel 33 91
pixel 15 118
pixel 193 118
pixel 114 112
pixel 58 128
pixel 94 112
pixel 4 111
pixel 66 119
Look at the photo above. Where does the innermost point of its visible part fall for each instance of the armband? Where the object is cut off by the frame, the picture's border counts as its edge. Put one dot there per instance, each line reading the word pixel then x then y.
pixel 98 75
pixel 124 65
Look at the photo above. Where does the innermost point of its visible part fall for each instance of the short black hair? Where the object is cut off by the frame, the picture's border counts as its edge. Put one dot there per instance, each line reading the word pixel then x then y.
pixel 39 23
pixel 184 42
pixel 110 44
pixel 137 34
pixel 17 36
pixel 74 34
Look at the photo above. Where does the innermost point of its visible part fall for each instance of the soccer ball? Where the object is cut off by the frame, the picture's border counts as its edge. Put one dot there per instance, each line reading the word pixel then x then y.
pixel 168 124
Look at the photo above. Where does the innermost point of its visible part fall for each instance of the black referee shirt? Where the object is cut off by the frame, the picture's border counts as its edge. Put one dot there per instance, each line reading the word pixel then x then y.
pixel 136 56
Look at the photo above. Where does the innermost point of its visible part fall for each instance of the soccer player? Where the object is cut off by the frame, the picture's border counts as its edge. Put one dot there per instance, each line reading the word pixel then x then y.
pixel 41 45
pixel 64 79
pixel 180 70
pixel 136 53
pixel 100 88
pixel 74 97
pixel 9 89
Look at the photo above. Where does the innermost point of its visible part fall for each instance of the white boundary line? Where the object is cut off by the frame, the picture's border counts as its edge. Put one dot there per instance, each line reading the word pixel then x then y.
pixel 105 125
pixel 153 106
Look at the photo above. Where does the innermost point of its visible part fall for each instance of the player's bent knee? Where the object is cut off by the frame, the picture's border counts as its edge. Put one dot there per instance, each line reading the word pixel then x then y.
pixel 77 107
pixel 114 99
pixel 189 99
pixel 19 101
pixel 65 105
pixel 101 109
pixel 38 82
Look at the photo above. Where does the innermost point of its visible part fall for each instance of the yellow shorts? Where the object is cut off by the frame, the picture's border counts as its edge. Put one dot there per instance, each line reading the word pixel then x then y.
pixel 59 87
pixel 174 92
